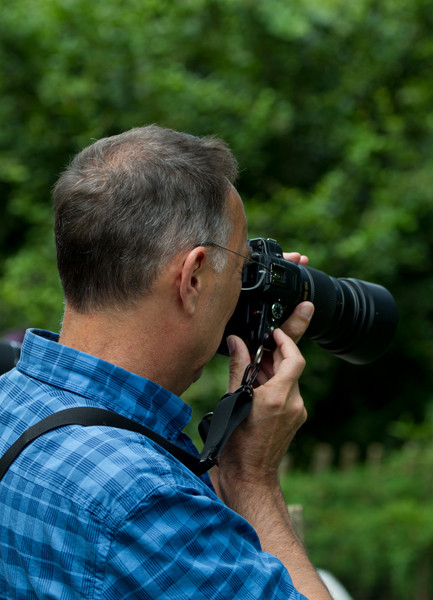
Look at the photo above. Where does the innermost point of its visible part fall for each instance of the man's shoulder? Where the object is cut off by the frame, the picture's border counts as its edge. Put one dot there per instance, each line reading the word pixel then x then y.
pixel 106 467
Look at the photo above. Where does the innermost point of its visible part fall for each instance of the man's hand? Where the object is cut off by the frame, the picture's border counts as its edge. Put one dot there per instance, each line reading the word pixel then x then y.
pixel 257 446
pixel 247 476
pixel 254 452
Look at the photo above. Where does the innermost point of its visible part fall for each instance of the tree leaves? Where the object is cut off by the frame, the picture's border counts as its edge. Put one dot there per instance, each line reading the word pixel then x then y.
pixel 327 106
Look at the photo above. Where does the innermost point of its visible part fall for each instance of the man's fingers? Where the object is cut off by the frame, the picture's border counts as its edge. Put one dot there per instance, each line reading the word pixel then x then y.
pixel 297 323
pixel 239 360
pixel 294 327
pixel 287 351
pixel 296 257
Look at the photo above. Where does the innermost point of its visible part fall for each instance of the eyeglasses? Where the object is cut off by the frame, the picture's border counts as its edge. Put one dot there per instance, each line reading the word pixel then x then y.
pixel 248 259
pixel 209 243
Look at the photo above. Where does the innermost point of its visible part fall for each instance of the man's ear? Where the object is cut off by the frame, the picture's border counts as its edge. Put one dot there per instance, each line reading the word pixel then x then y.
pixel 192 278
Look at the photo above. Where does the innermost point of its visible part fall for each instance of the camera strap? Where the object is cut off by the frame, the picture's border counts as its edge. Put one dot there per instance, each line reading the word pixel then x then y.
pixel 233 408
pixel 215 428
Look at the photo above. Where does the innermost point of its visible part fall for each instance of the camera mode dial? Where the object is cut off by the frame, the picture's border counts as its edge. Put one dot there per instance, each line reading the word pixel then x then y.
pixel 277 310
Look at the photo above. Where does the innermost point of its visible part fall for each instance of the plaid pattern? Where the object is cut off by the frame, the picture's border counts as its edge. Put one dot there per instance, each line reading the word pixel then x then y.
pixel 102 513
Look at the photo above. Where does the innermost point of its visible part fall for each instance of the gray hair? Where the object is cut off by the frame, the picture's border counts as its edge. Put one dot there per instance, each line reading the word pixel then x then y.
pixel 127 204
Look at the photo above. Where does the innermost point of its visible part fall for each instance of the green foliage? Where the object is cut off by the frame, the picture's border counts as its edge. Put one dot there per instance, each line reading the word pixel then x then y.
pixel 325 103
pixel 372 527
pixel 327 106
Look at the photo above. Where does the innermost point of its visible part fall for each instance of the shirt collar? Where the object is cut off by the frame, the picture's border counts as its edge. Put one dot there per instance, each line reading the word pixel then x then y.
pixel 102 383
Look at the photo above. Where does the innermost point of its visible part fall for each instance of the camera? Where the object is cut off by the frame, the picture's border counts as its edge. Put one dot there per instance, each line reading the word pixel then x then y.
pixel 354 320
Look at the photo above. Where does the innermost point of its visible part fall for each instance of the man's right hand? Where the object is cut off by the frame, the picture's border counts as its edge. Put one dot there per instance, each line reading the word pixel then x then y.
pixel 254 451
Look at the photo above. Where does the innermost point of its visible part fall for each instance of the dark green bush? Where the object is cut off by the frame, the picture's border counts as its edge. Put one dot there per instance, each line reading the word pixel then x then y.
pixel 372 526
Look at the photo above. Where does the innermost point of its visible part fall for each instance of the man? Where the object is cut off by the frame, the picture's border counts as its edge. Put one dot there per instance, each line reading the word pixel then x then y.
pixel 100 512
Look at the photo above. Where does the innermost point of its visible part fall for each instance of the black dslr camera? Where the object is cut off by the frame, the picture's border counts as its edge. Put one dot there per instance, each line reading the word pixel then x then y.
pixel 353 319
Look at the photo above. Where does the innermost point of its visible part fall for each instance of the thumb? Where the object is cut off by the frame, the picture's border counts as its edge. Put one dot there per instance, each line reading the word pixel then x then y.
pixel 239 360
pixel 299 320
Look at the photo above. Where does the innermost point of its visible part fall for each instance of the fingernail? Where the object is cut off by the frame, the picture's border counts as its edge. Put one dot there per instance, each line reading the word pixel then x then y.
pixel 230 344
pixel 306 310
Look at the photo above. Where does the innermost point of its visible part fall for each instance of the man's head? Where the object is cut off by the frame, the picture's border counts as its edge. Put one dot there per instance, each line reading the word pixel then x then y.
pixel 128 204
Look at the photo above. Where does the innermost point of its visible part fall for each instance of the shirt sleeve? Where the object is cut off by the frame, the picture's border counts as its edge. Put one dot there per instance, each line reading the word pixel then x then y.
pixel 184 544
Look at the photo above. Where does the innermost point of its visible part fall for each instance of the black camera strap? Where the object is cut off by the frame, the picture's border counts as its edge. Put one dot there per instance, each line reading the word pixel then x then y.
pixel 232 409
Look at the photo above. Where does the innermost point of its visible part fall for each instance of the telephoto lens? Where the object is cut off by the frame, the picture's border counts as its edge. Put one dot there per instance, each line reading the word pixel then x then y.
pixel 355 320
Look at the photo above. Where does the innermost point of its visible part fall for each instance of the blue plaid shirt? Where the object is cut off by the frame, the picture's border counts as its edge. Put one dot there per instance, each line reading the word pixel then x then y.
pixel 103 513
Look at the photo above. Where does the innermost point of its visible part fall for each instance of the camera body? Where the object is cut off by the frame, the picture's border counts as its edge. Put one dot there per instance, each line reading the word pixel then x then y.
pixel 270 291
pixel 353 319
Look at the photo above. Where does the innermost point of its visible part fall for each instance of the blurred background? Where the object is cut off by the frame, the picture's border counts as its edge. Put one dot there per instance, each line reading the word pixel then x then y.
pixel 328 106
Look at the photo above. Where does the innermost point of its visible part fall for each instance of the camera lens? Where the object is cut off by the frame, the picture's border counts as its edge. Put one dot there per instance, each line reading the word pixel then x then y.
pixel 355 320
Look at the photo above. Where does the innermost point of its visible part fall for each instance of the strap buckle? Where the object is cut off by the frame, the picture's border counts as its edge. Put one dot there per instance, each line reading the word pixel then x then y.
pixel 253 369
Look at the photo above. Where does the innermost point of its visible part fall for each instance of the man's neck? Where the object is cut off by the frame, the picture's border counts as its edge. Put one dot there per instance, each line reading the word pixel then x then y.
pixel 132 340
